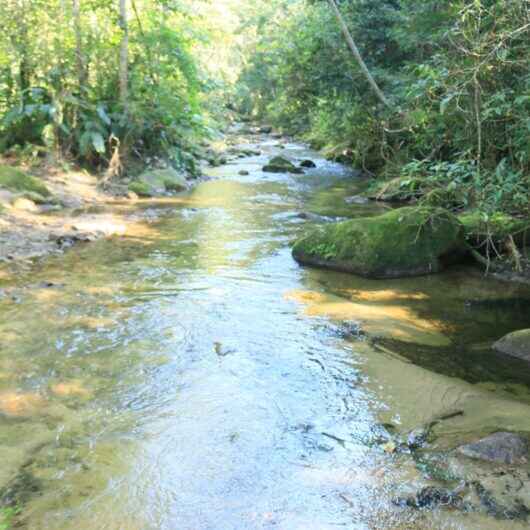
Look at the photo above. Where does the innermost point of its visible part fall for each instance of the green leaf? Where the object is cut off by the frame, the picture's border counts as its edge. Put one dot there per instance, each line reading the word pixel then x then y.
pixel 98 142
pixel 103 115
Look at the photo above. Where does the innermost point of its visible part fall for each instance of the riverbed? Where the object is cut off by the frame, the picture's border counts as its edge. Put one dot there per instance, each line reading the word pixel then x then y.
pixel 192 376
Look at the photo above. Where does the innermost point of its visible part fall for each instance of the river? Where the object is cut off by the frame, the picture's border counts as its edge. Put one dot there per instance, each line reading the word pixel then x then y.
pixel 192 376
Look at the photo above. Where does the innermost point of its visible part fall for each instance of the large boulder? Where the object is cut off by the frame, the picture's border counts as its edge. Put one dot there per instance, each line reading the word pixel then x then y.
pixel 500 447
pixel 408 241
pixel 516 344
pixel 156 182
pixel 280 164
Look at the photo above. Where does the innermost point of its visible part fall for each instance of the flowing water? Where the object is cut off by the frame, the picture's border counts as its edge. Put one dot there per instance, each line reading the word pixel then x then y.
pixel 192 376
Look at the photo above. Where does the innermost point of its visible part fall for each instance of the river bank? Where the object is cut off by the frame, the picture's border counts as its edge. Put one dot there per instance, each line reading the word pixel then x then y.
pixel 83 207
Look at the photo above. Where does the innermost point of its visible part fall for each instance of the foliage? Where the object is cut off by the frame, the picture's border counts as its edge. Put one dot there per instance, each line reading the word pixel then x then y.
pixel 6 517
pixel 457 74
pixel 59 80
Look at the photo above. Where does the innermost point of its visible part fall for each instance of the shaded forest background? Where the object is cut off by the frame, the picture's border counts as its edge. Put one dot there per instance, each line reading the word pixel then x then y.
pixel 113 83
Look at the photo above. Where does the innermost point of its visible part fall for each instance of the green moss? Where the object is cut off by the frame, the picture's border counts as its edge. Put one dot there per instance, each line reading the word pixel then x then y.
pixel 155 182
pixel 404 242
pixel 15 180
pixel 497 227
pixel 140 188
pixel 280 164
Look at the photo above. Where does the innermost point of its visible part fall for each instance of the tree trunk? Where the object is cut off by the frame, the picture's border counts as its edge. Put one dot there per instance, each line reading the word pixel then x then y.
pixel 124 56
pixel 81 68
pixel 355 52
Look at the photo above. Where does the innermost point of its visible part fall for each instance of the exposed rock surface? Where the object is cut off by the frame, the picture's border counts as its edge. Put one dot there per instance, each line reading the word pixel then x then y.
pixel 500 447
pixel 158 182
pixel 516 344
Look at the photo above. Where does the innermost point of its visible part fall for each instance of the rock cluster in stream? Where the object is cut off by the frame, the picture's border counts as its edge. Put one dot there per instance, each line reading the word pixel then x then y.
pixel 489 475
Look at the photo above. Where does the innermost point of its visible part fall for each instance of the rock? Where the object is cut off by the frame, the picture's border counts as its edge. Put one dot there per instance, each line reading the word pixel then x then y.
pixel 409 241
pixel 251 152
pixel 280 164
pixel 6 197
pixel 307 163
pixel 516 344
pixel 131 195
pixel 21 203
pixel 158 182
pixel 356 199
pixel 266 129
pixel 500 447
pixel 244 172
pixel 16 180
pixel 417 438
pixel 219 161
pixel 429 497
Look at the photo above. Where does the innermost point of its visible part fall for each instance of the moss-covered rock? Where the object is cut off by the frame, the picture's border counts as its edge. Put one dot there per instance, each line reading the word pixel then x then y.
pixel 16 180
pixel 404 242
pixel 156 182
pixel 516 344
pixel 140 188
pixel 495 228
pixel 280 164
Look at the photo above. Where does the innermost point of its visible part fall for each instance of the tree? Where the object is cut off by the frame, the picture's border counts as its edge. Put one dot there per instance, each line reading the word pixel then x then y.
pixel 124 56
pixel 355 52
pixel 81 68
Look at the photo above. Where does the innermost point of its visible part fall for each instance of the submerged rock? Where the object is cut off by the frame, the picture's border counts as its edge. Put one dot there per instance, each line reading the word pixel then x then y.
pixel 158 182
pixel 280 164
pixel 516 344
pixel 429 497
pixel 307 163
pixel 500 447
pixel 405 242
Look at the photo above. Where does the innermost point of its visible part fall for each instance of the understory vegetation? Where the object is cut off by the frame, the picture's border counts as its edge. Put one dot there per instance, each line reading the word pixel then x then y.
pixel 456 75
pixel 103 82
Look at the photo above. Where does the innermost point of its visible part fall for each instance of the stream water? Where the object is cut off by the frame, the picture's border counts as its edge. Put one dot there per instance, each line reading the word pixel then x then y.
pixel 192 376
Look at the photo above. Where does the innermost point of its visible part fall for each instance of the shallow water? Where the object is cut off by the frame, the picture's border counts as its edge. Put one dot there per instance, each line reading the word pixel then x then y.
pixel 193 376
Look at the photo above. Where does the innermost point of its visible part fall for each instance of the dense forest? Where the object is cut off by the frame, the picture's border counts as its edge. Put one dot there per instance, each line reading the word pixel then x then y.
pixel 95 78
pixel 456 76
